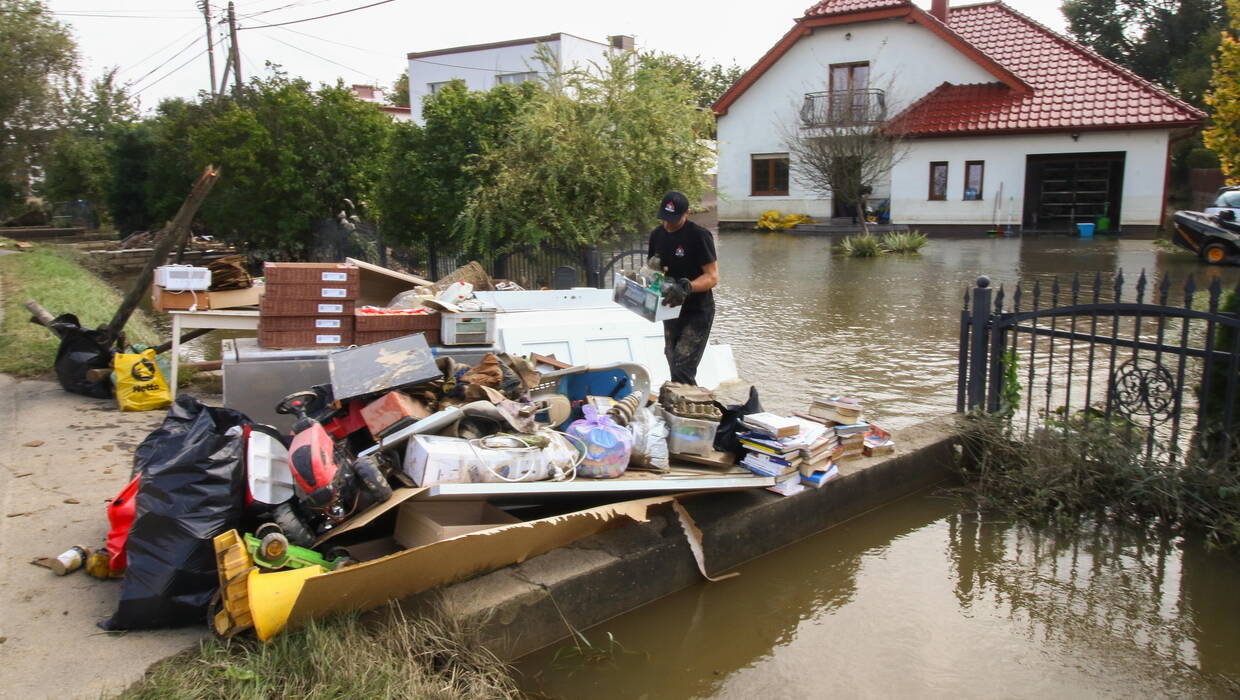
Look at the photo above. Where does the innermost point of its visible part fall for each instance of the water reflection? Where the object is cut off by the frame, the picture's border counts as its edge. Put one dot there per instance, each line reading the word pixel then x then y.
pixel 921 599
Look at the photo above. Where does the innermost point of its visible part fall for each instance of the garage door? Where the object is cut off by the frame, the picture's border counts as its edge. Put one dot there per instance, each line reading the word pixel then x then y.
pixel 1064 189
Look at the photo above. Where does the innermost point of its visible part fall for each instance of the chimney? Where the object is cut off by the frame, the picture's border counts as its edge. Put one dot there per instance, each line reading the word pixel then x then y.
pixel 938 10
pixel 622 42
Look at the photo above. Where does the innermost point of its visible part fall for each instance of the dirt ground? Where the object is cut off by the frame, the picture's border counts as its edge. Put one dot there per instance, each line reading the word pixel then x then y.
pixel 62 456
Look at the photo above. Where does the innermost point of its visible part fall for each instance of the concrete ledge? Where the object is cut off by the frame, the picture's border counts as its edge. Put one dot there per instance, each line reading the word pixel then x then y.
pixel 525 607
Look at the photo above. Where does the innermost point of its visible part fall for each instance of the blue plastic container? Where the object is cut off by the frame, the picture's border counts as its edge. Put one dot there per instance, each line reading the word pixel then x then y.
pixel 1087 230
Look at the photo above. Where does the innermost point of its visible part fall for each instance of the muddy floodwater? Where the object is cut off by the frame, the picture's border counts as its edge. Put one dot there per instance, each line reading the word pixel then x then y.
pixel 919 598
pixel 802 320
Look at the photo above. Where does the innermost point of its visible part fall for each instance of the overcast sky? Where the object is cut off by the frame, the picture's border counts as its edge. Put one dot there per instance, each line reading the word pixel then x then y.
pixel 159 45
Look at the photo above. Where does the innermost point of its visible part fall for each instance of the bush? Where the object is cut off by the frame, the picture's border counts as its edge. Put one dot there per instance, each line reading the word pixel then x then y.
pixel 1089 465
pixel 863 246
pixel 904 241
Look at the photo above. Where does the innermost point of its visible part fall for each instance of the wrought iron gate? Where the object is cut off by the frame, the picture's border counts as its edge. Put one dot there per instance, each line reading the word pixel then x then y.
pixel 1058 352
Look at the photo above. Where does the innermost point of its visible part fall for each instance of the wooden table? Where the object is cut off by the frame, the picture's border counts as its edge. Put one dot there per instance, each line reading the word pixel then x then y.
pixel 224 319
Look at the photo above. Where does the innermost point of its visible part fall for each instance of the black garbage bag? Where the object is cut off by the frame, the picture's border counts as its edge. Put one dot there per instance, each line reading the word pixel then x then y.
pixel 730 423
pixel 192 489
pixel 80 350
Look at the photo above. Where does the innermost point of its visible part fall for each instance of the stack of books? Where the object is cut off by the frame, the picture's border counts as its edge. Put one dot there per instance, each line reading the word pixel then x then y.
pixel 878 442
pixel 796 451
pixel 844 410
pixel 852 441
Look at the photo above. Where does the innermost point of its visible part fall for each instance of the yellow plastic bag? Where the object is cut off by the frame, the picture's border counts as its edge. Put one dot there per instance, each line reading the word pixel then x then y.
pixel 140 386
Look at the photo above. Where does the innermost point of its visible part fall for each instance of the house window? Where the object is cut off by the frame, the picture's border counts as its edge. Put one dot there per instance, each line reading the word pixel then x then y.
pixel 514 78
pixel 974 171
pixel 938 181
pixel 848 84
pixel 770 174
pixel 434 88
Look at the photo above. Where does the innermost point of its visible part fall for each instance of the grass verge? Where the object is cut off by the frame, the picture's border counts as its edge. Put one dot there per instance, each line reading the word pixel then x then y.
pixel 387 654
pixel 54 278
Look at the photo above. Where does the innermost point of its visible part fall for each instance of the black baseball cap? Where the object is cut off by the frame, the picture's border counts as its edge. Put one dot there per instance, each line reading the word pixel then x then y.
pixel 673 206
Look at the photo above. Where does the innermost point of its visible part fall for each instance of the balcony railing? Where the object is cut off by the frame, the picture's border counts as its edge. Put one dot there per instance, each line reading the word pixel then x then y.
pixel 844 108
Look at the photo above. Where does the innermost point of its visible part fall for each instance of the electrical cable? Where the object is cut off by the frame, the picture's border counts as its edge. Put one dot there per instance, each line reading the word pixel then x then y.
pixel 171 72
pixel 175 70
pixel 382 53
pixel 158 51
pixel 168 60
pixel 328 60
pixel 309 19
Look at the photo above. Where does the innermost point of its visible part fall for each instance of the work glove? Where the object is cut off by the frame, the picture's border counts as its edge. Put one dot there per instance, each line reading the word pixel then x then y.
pixel 675 293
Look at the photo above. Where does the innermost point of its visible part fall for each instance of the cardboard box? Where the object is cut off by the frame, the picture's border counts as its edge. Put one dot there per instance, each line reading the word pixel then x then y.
pixel 304 307
pixel 423 522
pixel 322 324
pixel 233 298
pixel 402 574
pixel 392 411
pixel 310 273
pixel 164 300
pixel 642 301
pixel 303 339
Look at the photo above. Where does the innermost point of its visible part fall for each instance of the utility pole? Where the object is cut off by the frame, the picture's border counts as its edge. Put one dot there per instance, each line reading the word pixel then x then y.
pixel 236 52
pixel 206 16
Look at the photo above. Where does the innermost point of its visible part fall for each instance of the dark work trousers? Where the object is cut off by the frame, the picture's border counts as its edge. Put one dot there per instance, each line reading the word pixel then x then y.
pixel 684 339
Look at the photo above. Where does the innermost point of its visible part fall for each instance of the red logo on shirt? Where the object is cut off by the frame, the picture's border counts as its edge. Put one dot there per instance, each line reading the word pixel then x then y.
pixel 680 251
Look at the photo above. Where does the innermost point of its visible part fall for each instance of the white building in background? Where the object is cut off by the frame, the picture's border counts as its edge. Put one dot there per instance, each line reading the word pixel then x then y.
pixel 1006 121
pixel 483 66
pixel 376 95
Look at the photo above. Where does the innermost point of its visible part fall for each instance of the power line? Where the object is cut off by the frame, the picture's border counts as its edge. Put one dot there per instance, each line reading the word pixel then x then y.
pixel 309 19
pixel 328 60
pixel 158 51
pixel 381 53
pixel 168 60
pixel 174 70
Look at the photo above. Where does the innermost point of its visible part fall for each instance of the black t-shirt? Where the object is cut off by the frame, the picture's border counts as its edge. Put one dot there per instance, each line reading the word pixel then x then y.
pixel 684 253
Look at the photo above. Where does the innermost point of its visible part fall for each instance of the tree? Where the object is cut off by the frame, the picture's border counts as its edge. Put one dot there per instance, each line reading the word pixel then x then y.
pixel 1169 42
pixel 399 96
pixel 842 157
pixel 76 165
pixel 706 82
pixel 37 57
pixel 426 178
pixel 588 159
pixel 291 156
pixel 1223 137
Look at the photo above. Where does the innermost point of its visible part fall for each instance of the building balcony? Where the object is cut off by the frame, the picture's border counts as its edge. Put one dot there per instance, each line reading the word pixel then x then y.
pixel 844 108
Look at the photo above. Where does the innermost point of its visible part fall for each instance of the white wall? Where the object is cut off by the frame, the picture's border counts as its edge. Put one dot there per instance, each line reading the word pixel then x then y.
pixel 1145 166
pixel 479 68
pixel 906 60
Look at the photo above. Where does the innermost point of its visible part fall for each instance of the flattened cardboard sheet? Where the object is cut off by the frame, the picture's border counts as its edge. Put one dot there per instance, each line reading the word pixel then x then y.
pixel 399 575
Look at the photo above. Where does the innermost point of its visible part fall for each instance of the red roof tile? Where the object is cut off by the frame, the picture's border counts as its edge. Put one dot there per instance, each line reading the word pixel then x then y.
pixel 828 8
pixel 1073 87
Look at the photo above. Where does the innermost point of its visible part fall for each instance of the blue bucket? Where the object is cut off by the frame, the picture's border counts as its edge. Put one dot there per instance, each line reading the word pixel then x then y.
pixel 1087 230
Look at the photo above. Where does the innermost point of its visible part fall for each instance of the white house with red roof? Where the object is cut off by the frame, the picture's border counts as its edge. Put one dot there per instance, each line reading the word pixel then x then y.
pixel 1004 121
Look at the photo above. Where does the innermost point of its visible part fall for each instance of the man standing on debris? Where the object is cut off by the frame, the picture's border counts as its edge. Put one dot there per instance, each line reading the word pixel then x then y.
pixel 686 252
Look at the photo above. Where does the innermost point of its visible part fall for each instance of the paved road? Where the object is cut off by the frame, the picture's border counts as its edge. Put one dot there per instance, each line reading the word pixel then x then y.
pixel 53 496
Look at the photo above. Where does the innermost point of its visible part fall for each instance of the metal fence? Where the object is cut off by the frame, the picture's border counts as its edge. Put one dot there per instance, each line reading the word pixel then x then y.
pixel 534 267
pixel 1053 353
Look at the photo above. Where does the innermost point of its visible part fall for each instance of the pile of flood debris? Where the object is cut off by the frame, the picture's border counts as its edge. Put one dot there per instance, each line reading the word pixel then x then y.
pixel 390 444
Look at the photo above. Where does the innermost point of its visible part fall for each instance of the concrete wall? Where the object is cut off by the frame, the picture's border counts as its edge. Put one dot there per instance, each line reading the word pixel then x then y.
pixel 905 59
pixel 1145 165
pixel 526 606
pixel 479 68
